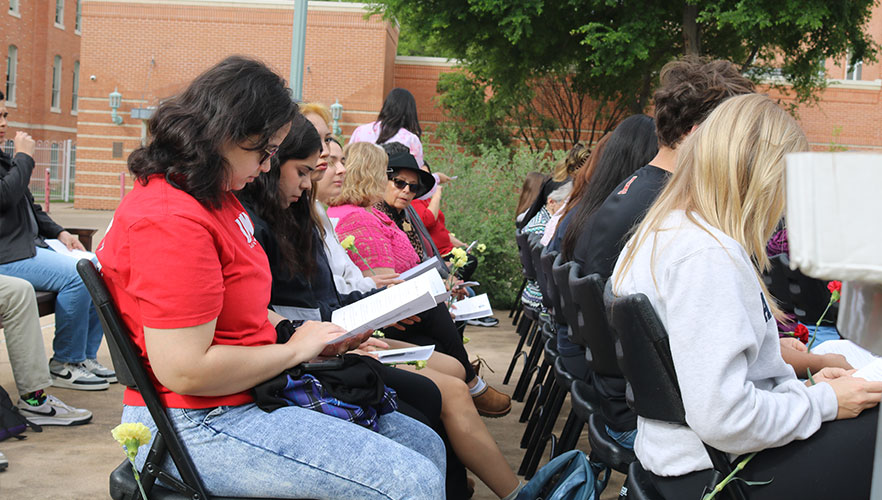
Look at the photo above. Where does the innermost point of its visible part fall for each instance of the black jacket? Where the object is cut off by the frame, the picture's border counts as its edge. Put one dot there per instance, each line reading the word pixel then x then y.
pixel 23 223
pixel 298 291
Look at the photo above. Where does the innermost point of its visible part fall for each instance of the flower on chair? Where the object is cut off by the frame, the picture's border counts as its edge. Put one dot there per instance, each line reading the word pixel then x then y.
pixel 132 436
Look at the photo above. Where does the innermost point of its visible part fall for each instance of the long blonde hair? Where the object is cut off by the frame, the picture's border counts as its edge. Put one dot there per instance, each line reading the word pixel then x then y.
pixel 365 180
pixel 730 172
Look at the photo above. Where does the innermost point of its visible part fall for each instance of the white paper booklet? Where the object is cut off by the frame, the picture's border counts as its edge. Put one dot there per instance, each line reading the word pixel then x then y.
pixel 59 247
pixel 405 354
pixel 472 308
pixel 391 305
pixel 868 365
pixel 421 268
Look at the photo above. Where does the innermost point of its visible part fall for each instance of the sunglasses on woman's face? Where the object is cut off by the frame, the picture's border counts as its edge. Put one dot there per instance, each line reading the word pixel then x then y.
pixel 401 184
pixel 268 153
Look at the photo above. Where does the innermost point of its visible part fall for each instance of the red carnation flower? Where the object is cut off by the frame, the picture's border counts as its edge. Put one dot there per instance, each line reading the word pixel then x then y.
pixel 801 333
pixel 835 288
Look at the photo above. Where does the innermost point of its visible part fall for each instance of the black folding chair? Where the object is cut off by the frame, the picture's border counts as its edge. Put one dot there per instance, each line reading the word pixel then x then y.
pixel 131 373
pixel 527 318
pixel 648 366
pixel 590 329
pixel 804 297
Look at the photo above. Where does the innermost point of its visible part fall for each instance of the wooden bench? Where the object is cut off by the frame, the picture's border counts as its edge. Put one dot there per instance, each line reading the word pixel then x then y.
pixel 46 300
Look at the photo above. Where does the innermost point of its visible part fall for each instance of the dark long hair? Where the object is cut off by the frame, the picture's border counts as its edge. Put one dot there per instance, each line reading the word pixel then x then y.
pixel 293 227
pixel 630 146
pixel 399 111
pixel 235 100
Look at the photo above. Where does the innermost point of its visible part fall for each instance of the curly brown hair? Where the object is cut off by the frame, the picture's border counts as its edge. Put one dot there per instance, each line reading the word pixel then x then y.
pixel 690 89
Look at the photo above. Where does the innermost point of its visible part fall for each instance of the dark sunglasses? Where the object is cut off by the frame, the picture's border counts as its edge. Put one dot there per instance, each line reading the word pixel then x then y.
pixel 268 153
pixel 400 184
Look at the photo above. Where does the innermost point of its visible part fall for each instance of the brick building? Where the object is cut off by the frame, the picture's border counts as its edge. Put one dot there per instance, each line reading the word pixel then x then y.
pixel 149 49
pixel 40 43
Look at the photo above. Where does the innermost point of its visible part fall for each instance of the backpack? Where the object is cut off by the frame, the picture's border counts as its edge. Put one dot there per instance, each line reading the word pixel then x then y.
pixel 12 423
pixel 570 476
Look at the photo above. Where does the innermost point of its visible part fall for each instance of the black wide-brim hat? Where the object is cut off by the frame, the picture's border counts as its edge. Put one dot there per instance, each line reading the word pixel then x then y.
pixel 406 161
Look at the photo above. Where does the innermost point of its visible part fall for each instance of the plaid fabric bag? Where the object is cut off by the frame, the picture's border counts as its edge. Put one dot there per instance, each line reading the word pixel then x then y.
pixel 354 391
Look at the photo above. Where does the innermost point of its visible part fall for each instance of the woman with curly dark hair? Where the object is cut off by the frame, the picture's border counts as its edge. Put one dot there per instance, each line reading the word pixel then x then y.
pixel 200 320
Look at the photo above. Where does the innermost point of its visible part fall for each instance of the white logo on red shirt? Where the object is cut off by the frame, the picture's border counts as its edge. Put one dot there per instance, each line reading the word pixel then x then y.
pixel 245 225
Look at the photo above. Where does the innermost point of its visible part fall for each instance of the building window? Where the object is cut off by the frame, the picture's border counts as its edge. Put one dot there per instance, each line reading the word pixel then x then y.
pixel 13 7
pixel 78 27
pixel 56 85
pixel 11 70
pixel 53 157
pixel 75 97
pixel 59 13
pixel 853 71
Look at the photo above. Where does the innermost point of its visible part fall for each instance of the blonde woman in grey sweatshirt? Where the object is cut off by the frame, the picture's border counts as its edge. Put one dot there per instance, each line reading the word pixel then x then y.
pixel 695 257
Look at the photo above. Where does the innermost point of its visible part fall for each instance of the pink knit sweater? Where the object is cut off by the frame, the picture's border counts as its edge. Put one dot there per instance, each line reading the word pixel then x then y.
pixel 377 238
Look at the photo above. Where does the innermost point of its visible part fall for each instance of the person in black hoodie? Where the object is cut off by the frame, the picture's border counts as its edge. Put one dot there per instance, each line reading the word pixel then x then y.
pixel 24 227
pixel 303 287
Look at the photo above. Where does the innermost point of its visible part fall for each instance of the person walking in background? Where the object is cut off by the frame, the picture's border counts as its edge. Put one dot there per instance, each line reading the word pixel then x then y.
pixel 397 122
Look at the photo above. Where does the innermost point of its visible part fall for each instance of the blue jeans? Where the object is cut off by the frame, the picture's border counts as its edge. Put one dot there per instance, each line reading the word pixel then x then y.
pixel 78 331
pixel 299 453
pixel 625 438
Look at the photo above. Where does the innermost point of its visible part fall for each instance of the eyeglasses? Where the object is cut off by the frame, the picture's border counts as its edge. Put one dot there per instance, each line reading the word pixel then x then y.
pixel 268 153
pixel 401 184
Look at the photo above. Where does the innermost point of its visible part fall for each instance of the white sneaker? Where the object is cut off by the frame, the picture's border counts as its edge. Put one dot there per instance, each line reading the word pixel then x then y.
pixel 99 370
pixel 3 462
pixel 53 412
pixel 75 376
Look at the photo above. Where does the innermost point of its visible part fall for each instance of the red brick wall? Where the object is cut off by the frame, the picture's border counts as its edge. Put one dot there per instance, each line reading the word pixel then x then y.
pixel 38 41
pixel 345 57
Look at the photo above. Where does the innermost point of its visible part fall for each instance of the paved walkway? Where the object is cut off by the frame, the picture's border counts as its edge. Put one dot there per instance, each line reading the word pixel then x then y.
pixel 74 463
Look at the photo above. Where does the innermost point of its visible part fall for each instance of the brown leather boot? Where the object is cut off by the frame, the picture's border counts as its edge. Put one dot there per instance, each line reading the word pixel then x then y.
pixel 492 403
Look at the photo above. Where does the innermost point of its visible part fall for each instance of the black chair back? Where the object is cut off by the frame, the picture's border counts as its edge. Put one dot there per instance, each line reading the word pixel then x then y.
pixel 541 278
pixel 131 372
pixel 523 240
pixel 546 259
pixel 648 366
pixel 592 330
pixel 804 297
pixel 645 358
pixel 560 272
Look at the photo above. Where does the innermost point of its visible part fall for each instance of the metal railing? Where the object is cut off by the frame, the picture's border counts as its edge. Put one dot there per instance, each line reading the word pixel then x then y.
pixel 60 157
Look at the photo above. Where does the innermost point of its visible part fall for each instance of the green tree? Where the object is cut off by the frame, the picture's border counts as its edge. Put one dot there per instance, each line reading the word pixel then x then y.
pixel 524 58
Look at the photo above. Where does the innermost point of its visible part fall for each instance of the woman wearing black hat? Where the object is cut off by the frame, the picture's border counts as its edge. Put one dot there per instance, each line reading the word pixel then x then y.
pixel 406 182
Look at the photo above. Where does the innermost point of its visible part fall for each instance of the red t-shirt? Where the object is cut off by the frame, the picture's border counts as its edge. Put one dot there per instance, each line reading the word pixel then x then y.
pixel 169 262
pixel 437 230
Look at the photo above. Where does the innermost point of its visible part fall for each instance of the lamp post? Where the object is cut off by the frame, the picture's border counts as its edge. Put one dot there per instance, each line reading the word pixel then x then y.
pixel 336 114
pixel 298 45
pixel 115 101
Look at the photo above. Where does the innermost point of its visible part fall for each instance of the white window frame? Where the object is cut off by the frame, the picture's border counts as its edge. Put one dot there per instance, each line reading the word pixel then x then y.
pixel 14 8
pixel 78 24
pixel 11 74
pixel 75 92
pixel 59 14
pixel 854 73
pixel 55 91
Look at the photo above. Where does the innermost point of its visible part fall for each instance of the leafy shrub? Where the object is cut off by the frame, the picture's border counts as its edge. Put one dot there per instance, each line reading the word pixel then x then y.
pixel 480 205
